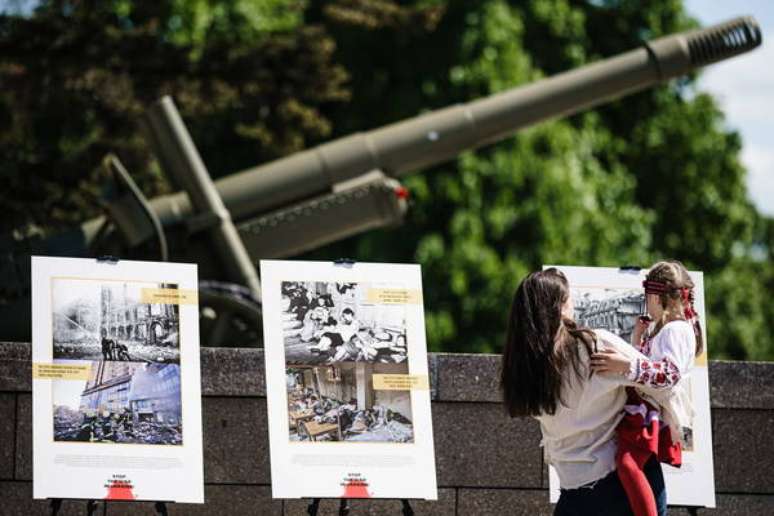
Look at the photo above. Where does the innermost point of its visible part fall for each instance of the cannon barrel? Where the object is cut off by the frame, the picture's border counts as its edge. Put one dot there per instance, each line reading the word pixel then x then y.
pixel 435 137
pixel 340 188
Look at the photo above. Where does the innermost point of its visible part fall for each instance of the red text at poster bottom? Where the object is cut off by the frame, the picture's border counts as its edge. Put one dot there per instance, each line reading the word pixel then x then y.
pixel 119 488
pixel 355 486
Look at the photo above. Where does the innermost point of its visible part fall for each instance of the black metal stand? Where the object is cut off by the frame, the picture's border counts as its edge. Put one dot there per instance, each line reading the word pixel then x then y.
pixel 314 506
pixel 56 504
pixel 91 506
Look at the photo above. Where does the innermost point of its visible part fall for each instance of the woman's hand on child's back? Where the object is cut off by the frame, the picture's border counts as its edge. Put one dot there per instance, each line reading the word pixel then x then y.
pixel 610 361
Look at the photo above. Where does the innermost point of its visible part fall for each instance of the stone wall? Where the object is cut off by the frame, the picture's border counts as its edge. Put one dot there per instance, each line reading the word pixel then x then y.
pixel 487 463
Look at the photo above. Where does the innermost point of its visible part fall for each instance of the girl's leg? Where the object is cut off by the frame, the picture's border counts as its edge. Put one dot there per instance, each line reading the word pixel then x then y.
pixel 636 483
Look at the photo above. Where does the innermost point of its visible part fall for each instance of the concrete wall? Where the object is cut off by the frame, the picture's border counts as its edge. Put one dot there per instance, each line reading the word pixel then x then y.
pixel 502 473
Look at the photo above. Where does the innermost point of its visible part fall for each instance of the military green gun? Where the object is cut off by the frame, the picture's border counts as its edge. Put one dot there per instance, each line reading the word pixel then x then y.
pixel 324 194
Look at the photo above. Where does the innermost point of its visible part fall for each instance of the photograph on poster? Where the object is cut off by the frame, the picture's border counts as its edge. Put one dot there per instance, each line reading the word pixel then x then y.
pixel 107 320
pixel 611 309
pixel 339 403
pixel 121 402
pixel 326 323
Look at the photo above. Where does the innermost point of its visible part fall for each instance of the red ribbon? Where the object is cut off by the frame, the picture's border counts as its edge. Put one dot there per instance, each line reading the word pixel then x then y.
pixel 658 288
pixel 687 295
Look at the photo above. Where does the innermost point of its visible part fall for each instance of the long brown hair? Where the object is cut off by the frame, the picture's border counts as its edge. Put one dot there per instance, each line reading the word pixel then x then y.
pixel 540 346
pixel 675 276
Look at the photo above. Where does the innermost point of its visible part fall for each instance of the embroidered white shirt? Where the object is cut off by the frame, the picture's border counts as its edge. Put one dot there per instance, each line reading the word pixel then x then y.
pixel 579 438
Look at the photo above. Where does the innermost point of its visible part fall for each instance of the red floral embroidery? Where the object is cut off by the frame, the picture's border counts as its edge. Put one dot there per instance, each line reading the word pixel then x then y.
pixel 644 346
pixel 661 374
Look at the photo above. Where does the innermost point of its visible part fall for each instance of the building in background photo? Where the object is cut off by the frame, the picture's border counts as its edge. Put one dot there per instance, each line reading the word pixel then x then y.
pixel 121 402
pixel 109 320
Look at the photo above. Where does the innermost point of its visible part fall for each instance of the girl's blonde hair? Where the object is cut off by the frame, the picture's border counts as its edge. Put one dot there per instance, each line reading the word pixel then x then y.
pixel 677 300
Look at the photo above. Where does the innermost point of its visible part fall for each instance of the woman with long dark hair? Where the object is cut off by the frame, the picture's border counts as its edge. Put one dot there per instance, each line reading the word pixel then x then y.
pixel 546 374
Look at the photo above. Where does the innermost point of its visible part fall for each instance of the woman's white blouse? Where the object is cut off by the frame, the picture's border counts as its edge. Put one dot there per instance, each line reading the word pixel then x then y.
pixel 579 438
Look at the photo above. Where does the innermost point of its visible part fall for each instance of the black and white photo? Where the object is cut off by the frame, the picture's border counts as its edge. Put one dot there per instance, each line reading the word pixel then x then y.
pixel 612 309
pixel 326 323
pixel 108 320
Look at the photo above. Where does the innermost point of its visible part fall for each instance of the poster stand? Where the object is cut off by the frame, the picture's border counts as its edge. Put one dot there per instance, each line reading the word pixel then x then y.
pixel 56 504
pixel 91 506
pixel 314 505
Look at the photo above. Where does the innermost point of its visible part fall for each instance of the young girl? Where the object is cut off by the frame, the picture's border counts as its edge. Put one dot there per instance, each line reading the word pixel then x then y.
pixel 667 349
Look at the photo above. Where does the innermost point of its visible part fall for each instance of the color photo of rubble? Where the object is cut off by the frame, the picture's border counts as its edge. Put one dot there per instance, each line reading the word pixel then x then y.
pixel 326 323
pixel 338 403
pixel 105 320
pixel 121 402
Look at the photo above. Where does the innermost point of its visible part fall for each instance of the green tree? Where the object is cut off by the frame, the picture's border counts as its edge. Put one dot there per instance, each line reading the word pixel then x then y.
pixel 77 75
pixel 650 176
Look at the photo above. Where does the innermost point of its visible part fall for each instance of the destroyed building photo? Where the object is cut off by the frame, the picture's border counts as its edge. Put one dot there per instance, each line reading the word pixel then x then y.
pixel 339 403
pixel 614 310
pixel 107 320
pixel 121 402
pixel 325 323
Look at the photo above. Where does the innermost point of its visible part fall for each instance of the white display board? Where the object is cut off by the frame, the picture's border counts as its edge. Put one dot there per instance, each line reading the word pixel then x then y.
pixel 347 381
pixel 611 298
pixel 116 387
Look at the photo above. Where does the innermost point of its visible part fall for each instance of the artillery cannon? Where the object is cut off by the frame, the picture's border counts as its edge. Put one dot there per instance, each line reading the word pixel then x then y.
pixel 327 193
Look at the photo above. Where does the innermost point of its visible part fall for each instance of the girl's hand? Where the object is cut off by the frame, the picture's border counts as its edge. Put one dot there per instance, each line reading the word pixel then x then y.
pixel 610 361
pixel 640 326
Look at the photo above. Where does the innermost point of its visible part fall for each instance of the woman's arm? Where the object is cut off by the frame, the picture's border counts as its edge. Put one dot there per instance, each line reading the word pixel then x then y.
pixel 641 370
pixel 618 359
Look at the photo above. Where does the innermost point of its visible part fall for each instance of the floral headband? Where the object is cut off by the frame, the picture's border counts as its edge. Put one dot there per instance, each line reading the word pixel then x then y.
pixel 686 294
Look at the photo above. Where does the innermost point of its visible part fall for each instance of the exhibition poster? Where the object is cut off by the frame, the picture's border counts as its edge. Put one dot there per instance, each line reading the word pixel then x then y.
pixel 612 299
pixel 347 381
pixel 116 386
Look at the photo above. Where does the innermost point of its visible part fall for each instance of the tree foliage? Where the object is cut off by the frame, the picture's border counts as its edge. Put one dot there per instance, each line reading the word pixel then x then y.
pixel 653 175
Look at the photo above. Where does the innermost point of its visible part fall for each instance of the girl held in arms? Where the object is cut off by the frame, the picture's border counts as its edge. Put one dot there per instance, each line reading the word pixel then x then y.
pixel 668 340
